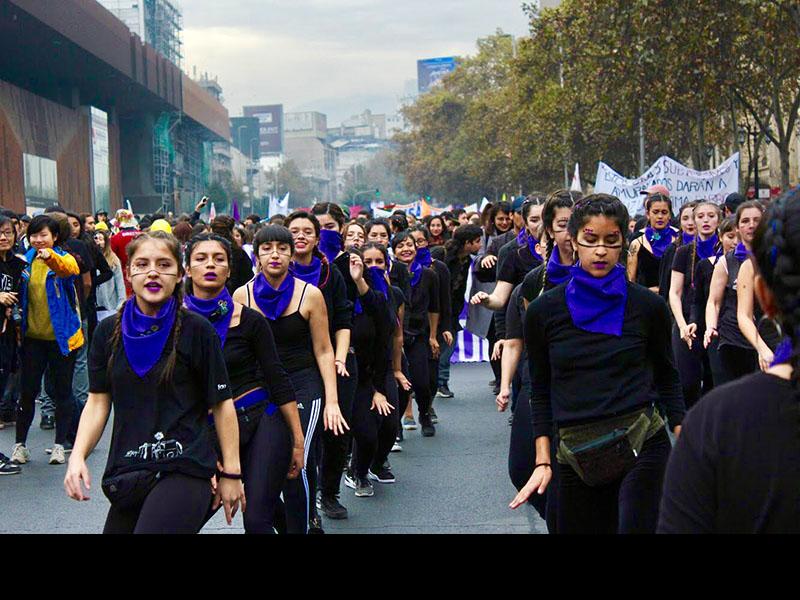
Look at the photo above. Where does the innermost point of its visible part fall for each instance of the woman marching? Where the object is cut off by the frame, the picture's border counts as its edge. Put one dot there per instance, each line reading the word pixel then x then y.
pixel 421 322
pixel 311 266
pixel 688 233
pixel 374 427
pixel 299 322
pixel 271 438
pixel 586 341
pixel 162 369
pixel 647 250
pixel 737 356
pixel 734 468
pixel 555 271
pixel 690 355
pixel 437 229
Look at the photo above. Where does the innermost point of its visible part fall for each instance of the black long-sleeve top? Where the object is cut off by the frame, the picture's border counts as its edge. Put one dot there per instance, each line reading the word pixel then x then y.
pixel 445 304
pixel 241 270
pixel 342 263
pixel 371 337
pixel 734 468
pixel 251 358
pixel 579 376
pixel 424 300
pixel 401 278
pixel 459 275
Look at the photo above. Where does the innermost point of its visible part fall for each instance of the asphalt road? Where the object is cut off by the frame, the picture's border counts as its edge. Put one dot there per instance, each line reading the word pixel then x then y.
pixel 456 482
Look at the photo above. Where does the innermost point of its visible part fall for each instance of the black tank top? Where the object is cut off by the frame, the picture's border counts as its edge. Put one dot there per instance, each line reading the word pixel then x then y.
pixel 292 335
pixel 647 272
pixel 729 332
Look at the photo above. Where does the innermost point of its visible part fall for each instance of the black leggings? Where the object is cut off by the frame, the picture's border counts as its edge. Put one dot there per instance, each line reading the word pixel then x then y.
pixel 300 493
pixel 418 355
pixel 491 337
pixel 37 356
pixel 689 363
pixel 629 505
pixel 176 505
pixel 265 463
pixel 737 362
pixel 335 447
pixel 373 434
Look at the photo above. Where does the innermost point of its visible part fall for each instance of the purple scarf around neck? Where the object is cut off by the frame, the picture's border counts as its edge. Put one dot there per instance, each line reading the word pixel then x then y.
pixel 597 304
pixel 659 239
pixel 330 243
pixel 309 274
pixel 707 248
pixel 556 272
pixel 218 310
pixel 273 302
pixel 144 338
pixel 741 252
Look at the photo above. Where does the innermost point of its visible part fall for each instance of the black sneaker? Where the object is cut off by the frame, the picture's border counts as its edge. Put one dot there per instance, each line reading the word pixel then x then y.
pixel 384 475
pixel 444 392
pixel 364 489
pixel 315 526
pixel 493 383
pixel 434 416
pixel 428 430
pixel 331 508
pixel 47 423
pixel 7 467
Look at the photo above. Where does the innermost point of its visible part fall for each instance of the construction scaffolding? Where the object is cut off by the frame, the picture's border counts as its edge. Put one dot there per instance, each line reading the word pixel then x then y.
pixel 163 29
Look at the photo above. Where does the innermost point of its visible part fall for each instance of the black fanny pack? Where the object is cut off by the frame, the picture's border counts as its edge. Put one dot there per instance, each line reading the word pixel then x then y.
pixel 603 452
pixel 129 490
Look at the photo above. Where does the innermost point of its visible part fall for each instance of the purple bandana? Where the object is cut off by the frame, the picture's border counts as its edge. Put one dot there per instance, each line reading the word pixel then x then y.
pixel 376 278
pixel 424 257
pixel 556 272
pixel 659 239
pixel 273 303
pixel 783 353
pixel 309 274
pixel 144 337
pixel 218 310
pixel 330 243
pixel 741 252
pixel 686 238
pixel 596 304
pixel 707 248
pixel 525 239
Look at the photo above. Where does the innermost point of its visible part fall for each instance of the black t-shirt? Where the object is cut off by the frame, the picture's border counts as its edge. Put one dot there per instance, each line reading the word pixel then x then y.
pixel 702 289
pixel 459 275
pixel 685 257
pixel 424 300
pixel 252 359
pixel 241 269
pixel 579 376
pixel 340 308
pixel 371 338
pixel 83 256
pixel 162 427
pixel 735 466
pixel 515 315
pixel 648 267
pixel 11 273
pixel 445 303
pixel 516 265
pixel 401 278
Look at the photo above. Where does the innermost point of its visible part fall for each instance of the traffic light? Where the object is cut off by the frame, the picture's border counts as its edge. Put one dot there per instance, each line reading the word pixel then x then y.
pixel 377 193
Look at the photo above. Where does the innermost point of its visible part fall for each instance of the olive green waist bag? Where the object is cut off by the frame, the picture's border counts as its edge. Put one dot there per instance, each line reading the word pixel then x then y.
pixel 604 451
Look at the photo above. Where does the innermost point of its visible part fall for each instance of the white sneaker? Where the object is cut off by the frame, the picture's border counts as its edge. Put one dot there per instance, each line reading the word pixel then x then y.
pixel 57 457
pixel 20 455
pixel 397 448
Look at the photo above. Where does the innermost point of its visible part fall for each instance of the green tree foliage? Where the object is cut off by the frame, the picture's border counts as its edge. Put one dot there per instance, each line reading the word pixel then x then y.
pixel 290 180
pixel 690 72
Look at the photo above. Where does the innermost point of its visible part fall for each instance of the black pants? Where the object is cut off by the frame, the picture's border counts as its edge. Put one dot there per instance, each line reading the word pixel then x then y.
pixel 38 355
pixel 265 461
pixel 629 505
pixel 373 434
pixel 737 362
pixel 491 337
pixel 387 433
pixel 418 353
pixel 176 505
pixel 335 447
pixel 689 363
pixel 300 493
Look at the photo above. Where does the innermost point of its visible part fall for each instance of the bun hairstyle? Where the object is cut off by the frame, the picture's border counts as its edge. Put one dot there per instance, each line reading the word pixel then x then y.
pixel 776 250
pixel 174 247
pixel 599 205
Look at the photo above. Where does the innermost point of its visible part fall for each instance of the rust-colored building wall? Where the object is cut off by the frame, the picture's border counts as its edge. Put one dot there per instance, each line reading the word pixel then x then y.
pixel 115 163
pixel 33 125
pixel 200 106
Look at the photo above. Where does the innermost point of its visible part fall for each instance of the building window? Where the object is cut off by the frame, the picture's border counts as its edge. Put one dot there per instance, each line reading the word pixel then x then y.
pixel 101 176
pixel 41 183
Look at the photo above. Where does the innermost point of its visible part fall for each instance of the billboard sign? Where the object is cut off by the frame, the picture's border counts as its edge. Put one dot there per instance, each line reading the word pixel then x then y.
pixel 432 70
pixel 270 123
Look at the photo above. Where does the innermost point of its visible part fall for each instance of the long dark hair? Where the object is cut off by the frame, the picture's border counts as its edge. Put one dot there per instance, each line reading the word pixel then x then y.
pixel 461 237
pixel 776 250
pixel 174 248
pixel 205 237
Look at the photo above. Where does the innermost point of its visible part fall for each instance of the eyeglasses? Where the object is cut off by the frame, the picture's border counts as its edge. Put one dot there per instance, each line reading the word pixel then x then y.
pixel 278 251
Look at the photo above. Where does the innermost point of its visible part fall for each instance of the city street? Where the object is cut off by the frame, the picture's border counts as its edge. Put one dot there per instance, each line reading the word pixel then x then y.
pixel 456 482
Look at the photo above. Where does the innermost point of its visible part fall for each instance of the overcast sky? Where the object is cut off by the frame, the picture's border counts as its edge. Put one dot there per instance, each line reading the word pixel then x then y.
pixel 335 56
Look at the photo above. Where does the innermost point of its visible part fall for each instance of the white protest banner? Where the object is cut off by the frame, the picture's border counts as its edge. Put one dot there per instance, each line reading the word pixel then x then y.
pixel 683 183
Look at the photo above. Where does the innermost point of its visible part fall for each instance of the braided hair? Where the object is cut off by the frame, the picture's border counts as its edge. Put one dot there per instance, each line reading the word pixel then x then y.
pixel 174 247
pixel 559 199
pixel 776 250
